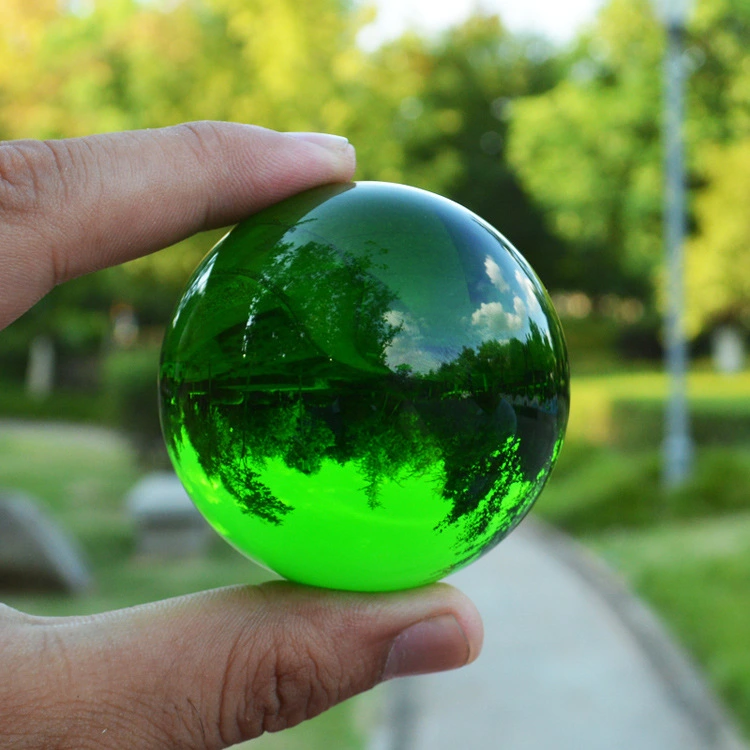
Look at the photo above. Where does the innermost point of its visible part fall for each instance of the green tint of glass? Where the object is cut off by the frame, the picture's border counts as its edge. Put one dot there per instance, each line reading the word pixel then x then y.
pixel 364 387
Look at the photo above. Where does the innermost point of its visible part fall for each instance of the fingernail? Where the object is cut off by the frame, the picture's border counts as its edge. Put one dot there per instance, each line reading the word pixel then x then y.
pixel 327 140
pixel 433 645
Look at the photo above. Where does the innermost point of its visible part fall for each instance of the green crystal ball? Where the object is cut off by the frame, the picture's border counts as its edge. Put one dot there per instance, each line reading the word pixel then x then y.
pixel 364 387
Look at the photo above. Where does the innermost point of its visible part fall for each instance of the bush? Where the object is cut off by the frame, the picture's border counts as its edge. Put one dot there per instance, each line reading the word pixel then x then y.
pixel 130 385
pixel 60 406
pixel 641 341
pixel 604 491
pixel 617 490
pixel 719 484
pixel 639 423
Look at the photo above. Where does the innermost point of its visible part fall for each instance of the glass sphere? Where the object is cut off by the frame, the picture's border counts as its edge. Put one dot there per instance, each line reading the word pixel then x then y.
pixel 364 387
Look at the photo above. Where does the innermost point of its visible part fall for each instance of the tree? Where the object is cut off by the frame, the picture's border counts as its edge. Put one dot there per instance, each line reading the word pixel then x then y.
pixel 452 102
pixel 73 69
pixel 718 257
pixel 589 151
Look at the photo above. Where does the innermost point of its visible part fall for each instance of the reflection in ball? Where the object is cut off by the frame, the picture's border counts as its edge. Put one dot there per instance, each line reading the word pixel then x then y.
pixel 364 387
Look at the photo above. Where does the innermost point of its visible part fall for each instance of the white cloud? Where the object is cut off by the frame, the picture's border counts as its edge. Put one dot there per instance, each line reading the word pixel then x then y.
pixel 529 292
pixel 496 275
pixel 494 321
pixel 408 346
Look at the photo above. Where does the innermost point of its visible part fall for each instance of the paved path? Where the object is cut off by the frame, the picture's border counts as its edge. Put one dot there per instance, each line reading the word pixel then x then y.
pixel 571 662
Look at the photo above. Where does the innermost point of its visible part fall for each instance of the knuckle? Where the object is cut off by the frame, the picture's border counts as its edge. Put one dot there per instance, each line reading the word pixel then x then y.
pixel 296 685
pixel 33 175
pixel 22 164
pixel 204 138
pixel 289 683
pixel 36 180
pixel 205 141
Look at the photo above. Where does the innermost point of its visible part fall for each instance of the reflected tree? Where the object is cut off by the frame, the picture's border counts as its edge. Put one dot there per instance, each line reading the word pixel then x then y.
pixel 300 377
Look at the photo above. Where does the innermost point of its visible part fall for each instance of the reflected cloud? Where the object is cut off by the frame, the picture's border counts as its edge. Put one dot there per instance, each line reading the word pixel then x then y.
pixel 408 345
pixel 496 275
pixel 494 321
pixel 530 294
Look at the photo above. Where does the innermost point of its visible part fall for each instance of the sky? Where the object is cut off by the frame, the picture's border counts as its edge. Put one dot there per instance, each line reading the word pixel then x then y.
pixel 556 19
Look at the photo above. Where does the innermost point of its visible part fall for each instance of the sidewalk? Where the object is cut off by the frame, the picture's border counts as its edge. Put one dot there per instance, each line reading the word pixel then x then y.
pixel 571 661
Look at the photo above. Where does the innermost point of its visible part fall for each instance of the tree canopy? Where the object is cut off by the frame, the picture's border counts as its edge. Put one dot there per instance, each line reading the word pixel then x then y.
pixel 558 148
pixel 589 150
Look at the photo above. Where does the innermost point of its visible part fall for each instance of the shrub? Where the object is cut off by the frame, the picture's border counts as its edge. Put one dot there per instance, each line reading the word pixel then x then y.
pixel 639 423
pixel 615 489
pixel 130 387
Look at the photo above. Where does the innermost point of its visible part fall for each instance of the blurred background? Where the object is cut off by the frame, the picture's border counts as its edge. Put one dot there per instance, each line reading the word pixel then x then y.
pixel 547 124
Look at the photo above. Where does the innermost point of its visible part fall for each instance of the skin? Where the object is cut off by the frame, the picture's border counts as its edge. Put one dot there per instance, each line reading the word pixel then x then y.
pixel 214 668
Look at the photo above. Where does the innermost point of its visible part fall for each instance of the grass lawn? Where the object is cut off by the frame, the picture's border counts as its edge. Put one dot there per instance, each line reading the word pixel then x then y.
pixel 696 574
pixel 81 478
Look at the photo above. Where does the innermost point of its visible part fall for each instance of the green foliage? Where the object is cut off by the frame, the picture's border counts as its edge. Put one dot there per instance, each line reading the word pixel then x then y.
pixel 719 484
pixel 129 64
pixel 589 151
pixel 593 398
pixel 719 104
pixel 609 472
pixel 559 149
pixel 718 267
pixel 129 384
pixel 608 490
pixel 718 262
pixel 613 489
pixel 640 422
pixel 430 114
pixel 64 405
pixel 455 103
pixel 74 315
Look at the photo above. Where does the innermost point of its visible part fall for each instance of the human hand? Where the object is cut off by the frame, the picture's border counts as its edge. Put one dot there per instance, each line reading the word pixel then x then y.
pixel 211 669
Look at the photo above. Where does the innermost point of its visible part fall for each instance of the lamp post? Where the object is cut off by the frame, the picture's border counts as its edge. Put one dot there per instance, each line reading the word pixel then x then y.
pixel 678 447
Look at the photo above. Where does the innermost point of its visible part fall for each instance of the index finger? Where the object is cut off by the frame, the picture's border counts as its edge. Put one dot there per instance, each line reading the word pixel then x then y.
pixel 73 206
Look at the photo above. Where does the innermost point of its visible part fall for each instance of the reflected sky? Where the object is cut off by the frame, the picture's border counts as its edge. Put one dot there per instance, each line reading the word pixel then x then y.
pixel 512 305
pixel 196 287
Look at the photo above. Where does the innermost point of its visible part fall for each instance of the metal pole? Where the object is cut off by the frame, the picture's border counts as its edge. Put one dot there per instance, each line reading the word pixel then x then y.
pixel 678 449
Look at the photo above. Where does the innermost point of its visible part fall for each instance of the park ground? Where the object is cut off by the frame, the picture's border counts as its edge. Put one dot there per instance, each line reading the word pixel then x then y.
pixel 687 553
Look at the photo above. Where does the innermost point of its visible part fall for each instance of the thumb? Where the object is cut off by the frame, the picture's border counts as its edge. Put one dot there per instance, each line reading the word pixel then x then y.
pixel 214 669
